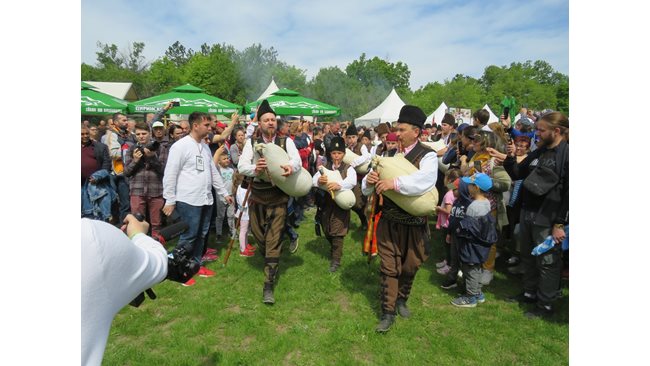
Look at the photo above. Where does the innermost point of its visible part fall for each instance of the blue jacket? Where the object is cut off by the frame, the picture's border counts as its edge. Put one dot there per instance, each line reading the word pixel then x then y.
pixel 96 199
pixel 475 236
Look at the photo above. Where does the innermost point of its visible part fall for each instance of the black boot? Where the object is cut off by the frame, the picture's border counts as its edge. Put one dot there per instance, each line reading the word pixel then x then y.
pixel 267 294
pixel 403 311
pixel 386 321
pixel 334 266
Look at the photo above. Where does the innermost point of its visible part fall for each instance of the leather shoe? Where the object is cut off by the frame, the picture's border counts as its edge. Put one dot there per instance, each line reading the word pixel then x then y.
pixel 267 295
pixel 402 310
pixel 386 321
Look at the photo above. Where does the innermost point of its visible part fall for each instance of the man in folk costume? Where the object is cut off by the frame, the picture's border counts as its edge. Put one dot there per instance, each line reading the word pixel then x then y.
pixel 336 220
pixel 400 236
pixel 268 204
pixel 351 138
pixel 382 132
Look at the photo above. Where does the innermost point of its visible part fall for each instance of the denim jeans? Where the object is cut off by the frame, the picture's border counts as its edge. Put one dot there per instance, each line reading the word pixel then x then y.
pixel 121 185
pixel 198 220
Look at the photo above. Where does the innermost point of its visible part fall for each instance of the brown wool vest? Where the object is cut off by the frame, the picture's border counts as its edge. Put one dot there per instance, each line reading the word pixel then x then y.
pixel 264 192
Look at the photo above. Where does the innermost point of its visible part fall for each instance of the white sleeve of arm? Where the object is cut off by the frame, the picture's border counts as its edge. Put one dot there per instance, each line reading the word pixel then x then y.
pixel 365 157
pixel 350 180
pixel 170 177
pixel 246 166
pixel 217 181
pixel 421 181
pixel 366 189
pixel 294 156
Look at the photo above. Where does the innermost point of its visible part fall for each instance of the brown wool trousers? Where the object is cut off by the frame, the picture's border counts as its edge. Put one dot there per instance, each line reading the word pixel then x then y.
pixel 266 224
pixel 401 250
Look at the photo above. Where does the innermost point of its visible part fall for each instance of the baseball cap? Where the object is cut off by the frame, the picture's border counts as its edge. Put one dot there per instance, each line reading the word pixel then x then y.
pixel 157 124
pixel 461 127
pixel 481 180
pixel 221 124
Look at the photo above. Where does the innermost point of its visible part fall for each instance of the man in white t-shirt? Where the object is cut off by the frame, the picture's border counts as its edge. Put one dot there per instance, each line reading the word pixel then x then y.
pixel 189 176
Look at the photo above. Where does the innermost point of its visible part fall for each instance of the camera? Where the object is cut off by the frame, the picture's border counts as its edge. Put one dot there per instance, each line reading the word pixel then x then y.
pixel 181 267
pixel 176 103
pixel 151 146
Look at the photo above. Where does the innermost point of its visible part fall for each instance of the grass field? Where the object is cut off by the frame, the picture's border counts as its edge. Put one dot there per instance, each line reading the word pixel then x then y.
pixel 321 318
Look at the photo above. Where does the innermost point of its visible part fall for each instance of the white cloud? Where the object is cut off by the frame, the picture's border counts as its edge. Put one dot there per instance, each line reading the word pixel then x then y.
pixel 435 39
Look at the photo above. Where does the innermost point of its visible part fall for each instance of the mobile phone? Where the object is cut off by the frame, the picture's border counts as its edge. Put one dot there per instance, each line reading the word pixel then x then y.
pixel 477 167
pixel 506 112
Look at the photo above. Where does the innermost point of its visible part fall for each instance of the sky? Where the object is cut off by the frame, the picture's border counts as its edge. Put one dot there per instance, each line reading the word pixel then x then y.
pixel 437 39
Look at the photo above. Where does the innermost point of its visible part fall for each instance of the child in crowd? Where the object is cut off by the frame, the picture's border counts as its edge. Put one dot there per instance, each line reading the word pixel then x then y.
pixel 458 209
pixel 475 233
pixel 442 223
pixel 241 186
pixel 227 171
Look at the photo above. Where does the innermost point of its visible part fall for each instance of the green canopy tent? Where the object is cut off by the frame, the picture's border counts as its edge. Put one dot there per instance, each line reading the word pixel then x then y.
pixel 192 99
pixel 94 103
pixel 287 102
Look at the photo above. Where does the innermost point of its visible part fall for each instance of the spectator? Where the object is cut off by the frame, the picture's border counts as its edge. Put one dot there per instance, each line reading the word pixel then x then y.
pixel 544 210
pixel 237 147
pixel 96 192
pixel 513 208
pixel 480 119
pixel 482 162
pixel 185 127
pixel 94 133
pixel 158 131
pixel 144 166
pixel 189 176
pixel 241 186
pixel 118 139
pixel 224 209
pixel 442 223
pixel 175 134
pixel 475 233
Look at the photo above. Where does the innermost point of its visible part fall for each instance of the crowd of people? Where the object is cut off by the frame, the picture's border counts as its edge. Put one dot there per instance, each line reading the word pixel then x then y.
pixel 502 188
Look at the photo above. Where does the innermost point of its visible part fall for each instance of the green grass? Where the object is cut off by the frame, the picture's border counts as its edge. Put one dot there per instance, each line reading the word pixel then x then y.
pixel 321 318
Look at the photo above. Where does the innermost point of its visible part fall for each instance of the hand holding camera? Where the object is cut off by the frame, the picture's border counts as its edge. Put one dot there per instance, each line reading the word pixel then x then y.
pixel 134 225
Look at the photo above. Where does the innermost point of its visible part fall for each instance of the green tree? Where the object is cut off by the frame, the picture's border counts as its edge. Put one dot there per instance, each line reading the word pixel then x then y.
pixel 178 54
pixel 380 73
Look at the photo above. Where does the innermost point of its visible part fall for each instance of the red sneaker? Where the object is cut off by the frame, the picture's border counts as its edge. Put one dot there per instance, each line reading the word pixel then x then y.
pixel 209 257
pixel 211 251
pixel 204 272
pixel 246 253
pixel 250 248
pixel 189 283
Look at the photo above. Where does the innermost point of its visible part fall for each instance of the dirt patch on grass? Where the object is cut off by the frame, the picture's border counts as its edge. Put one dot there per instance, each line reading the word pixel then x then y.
pixel 292 358
pixel 344 302
pixel 281 328
pixel 234 309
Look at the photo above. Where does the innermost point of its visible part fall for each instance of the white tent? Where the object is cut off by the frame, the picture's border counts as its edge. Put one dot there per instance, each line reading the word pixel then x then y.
pixel 437 115
pixel 118 90
pixel 493 117
pixel 272 88
pixel 387 111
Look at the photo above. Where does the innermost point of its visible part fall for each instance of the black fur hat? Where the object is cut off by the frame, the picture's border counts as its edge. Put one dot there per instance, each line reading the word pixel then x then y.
pixel 337 144
pixel 352 130
pixel 264 108
pixel 412 115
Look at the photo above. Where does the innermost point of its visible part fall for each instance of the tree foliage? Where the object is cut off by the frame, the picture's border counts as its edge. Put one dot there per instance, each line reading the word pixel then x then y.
pixel 241 76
